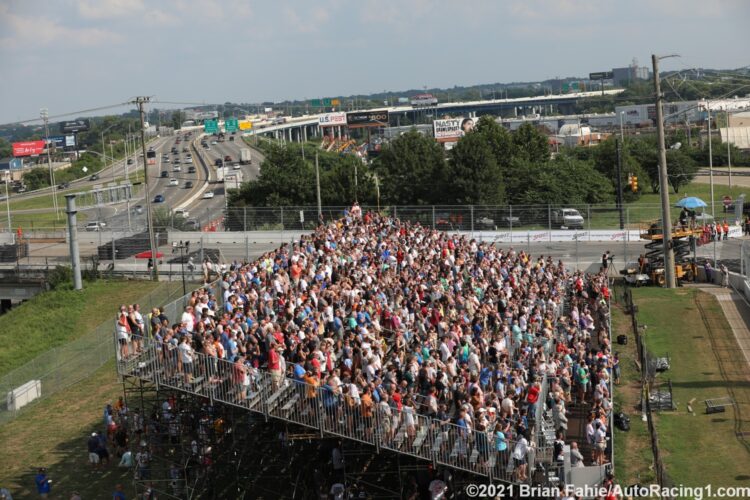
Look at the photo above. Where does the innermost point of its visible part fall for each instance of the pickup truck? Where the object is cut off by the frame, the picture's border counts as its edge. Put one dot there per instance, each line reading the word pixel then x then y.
pixel 567 218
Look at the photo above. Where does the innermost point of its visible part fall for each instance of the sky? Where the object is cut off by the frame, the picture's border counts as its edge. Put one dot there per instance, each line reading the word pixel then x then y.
pixel 72 55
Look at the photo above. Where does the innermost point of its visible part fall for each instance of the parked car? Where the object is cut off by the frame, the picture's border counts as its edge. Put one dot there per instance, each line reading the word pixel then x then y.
pixel 185 150
pixel 567 218
pixel 192 225
pixel 164 173
pixel 227 158
pixel 177 168
pixel 159 198
pixel 191 169
pixel 95 226
pixel 181 212
pixel 208 195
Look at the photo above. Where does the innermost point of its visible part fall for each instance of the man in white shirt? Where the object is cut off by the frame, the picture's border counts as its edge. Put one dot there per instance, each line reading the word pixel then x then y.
pixel 186 358
pixel 188 319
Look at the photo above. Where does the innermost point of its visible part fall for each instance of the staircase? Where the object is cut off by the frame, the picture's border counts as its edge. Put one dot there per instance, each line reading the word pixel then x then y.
pixel 296 402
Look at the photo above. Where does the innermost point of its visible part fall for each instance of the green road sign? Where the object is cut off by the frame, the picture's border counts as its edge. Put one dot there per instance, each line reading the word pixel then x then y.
pixel 327 103
pixel 210 126
pixel 315 103
pixel 565 87
pixel 231 124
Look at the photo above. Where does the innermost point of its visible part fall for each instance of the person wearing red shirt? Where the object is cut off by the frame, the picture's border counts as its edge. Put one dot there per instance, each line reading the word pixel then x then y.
pixel 274 366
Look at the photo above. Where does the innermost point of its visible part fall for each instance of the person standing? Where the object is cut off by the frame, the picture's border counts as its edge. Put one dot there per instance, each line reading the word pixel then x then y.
pixel 43 486
pixel 519 457
pixel 724 275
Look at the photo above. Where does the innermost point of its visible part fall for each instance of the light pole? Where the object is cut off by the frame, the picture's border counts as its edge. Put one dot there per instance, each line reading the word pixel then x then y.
pixel 729 151
pixel 182 248
pixel 104 152
pixel 7 199
pixel 45 116
pixel 711 169
pixel 622 127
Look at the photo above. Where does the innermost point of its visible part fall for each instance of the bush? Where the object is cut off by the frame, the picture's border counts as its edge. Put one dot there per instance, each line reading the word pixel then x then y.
pixel 60 278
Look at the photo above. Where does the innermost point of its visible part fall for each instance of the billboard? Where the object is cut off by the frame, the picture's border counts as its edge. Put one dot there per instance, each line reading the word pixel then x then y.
pixel 62 141
pixel 74 126
pixel 359 119
pixel 451 129
pixel 28 148
pixel 332 119
pixel 601 75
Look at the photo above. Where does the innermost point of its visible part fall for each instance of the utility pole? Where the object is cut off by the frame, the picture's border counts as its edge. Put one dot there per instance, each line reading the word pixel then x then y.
pixel 317 187
pixel 140 101
pixel 729 151
pixel 663 183
pixel 619 184
pixel 45 116
pixel 711 169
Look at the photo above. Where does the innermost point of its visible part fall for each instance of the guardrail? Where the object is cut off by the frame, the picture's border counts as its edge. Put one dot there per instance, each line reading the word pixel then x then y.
pixel 277 396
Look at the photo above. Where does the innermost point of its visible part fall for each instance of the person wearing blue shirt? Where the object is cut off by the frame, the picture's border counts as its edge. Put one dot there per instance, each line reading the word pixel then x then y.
pixel 42 482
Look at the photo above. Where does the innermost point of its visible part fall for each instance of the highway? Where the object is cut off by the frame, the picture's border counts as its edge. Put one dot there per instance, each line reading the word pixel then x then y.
pixel 201 212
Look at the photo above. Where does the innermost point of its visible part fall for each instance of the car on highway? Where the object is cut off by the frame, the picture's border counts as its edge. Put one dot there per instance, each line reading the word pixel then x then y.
pixel 214 143
pixel 219 162
pixel 231 138
pixel 164 173
pixel 174 182
pixel 130 161
pixel 188 185
pixel 94 177
pixel 188 160
pixel 174 150
pixel 95 226
pixel 19 189
pixel 184 149
pixel 181 212
pixel 236 166
pixel 64 185
pixel 138 209
pixel 191 169
pixel 208 195
pixel 227 158
pixel 207 147
pixel 159 198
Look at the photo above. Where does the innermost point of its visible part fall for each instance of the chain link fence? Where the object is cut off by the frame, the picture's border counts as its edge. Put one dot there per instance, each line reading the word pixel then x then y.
pixel 63 366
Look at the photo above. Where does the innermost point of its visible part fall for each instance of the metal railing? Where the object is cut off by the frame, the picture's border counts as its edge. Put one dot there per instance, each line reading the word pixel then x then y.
pixel 321 408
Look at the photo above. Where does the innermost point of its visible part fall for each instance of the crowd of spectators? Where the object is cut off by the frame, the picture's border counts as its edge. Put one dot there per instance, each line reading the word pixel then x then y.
pixel 391 319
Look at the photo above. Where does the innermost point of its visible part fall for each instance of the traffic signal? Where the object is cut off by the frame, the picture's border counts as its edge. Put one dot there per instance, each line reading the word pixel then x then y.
pixel 634 184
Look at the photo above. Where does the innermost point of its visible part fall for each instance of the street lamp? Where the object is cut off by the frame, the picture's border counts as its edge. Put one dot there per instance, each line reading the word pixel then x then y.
pixel 44 114
pixel 7 199
pixel 104 151
pixel 622 127
pixel 182 247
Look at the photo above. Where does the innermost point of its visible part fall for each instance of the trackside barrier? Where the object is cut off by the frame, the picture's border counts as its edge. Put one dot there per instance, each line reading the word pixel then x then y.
pixel 331 412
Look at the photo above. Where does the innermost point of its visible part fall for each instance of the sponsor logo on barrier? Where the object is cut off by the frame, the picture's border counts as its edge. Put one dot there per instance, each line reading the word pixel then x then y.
pixel 541 236
pixel 618 236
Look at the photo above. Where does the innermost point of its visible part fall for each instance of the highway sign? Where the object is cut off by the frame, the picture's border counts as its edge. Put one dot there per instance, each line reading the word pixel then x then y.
pixel 210 126
pixel 325 103
pixel 246 125
pixel 315 103
pixel 601 75
pixel 231 124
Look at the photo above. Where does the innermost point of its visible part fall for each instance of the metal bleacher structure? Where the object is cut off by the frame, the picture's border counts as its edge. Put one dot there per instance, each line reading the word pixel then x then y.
pixel 318 409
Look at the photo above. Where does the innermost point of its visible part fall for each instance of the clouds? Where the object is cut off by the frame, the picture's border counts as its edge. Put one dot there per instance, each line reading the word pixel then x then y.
pixel 104 51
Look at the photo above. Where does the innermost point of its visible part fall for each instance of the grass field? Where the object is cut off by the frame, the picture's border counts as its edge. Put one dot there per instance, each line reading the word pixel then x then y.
pixel 54 318
pixel 690 327
pixel 633 457
pixel 53 434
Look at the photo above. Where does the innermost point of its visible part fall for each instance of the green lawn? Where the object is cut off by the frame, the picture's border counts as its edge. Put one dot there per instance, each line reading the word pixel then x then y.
pixel 633 457
pixel 54 318
pixel 690 327
pixel 53 434
pixel 45 221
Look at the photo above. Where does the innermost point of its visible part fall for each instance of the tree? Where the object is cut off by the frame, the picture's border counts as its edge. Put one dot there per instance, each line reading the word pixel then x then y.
pixel 498 138
pixel 681 169
pixel 5 148
pixel 474 172
pixel 411 170
pixel 604 159
pixel 530 144
pixel 36 178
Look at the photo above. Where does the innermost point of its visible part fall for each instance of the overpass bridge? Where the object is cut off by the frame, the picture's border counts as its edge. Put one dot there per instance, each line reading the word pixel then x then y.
pixel 300 128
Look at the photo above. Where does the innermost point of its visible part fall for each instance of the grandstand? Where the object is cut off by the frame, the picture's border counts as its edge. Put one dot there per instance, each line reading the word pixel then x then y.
pixel 401 338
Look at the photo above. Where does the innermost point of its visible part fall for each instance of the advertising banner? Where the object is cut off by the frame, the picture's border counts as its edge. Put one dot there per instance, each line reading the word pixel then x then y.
pixel 70 141
pixel 28 148
pixel 74 126
pixel 451 129
pixel 332 119
pixel 57 141
pixel 358 119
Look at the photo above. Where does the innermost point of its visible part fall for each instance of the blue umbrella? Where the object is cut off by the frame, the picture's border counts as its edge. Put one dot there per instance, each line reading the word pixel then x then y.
pixel 691 202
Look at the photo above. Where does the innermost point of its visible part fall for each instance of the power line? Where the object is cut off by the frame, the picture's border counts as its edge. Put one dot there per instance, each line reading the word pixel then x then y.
pixel 72 113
